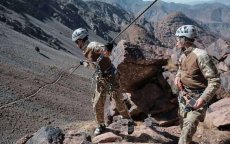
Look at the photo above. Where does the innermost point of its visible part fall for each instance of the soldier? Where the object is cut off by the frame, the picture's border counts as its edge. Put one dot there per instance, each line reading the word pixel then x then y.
pixel 107 81
pixel 197 79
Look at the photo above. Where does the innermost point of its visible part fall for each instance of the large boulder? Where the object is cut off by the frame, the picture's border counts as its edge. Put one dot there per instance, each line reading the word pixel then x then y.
pixel 141 75
pixel 215 128
pixel 220 116
pixel 138 64
pixel 47 135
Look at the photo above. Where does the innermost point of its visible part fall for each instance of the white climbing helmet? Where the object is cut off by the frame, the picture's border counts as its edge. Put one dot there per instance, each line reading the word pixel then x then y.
pixel 188 31
pixel 79 33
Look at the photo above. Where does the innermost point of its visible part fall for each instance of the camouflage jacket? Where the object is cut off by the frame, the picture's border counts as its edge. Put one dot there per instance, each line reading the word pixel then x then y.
pixel 92 51
pixel 197 71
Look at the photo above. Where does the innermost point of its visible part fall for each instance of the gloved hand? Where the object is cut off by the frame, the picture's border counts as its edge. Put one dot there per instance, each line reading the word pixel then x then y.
pixel 84 63
pixel 81 62
pixel 109 47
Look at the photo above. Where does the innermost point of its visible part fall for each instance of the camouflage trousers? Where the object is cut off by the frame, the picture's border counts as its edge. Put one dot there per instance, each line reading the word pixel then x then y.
pixel 104 86
pixel 189 119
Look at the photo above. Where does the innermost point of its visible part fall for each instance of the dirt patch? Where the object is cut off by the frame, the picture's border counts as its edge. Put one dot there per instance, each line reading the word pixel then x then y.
pixel 67 101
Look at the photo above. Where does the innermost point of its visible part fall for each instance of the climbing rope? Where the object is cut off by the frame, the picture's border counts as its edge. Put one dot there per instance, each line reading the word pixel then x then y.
pixel 35 93
pixel 133 21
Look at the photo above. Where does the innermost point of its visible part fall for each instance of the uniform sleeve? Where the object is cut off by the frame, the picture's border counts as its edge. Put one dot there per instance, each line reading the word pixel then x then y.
pixel 210 72
pixel 96 47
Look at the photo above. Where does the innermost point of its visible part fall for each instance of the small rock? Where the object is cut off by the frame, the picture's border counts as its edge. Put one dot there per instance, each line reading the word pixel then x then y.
pixel 74 137
pixel 37 49
pixel 199 136
pixel 107 138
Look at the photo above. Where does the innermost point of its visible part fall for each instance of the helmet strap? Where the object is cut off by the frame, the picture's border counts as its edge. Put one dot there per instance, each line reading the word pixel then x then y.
pixel 186 42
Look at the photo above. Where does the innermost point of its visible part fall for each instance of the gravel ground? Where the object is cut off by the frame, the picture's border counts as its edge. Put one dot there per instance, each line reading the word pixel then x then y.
pixel 23 71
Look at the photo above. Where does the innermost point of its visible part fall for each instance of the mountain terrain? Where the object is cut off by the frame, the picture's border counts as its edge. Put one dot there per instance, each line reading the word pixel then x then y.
pixel 38 84
pixel 223 2
pixel 165 30
pixel 213 15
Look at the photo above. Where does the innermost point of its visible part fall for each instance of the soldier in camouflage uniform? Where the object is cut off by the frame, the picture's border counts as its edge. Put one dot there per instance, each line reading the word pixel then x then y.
pixel 197 79
pixel 107 80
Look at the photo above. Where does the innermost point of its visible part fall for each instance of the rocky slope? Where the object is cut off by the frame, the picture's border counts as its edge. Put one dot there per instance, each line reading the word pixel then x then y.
pixel 24 71
pixel 141 72
pixel 36 50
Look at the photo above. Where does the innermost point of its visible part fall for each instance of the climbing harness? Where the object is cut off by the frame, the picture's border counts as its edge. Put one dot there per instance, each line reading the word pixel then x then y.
pixel 98 71
pixel 111 71
pixel 133 21
pixel 188 106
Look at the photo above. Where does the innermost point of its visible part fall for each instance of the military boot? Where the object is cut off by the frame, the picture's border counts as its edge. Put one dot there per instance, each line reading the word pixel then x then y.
pixel 130 126
pixel 99 130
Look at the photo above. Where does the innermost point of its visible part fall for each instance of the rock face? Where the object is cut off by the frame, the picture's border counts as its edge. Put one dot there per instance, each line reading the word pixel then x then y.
pixel 140 70
pixel 137 64
pixel 220 51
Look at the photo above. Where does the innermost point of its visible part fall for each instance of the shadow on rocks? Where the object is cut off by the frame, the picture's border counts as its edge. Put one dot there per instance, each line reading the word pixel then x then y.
pixel 166 135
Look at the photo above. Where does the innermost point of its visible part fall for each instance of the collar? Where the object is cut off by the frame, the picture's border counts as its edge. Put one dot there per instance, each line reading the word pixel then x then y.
pixel 188 50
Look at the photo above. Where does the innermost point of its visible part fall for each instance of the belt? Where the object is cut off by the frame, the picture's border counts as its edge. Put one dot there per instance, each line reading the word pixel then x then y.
pixel 198 91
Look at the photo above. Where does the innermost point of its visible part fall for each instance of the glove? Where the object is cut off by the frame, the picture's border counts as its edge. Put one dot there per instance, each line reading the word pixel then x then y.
pixel 109 47
pixel 81 62
pixel 84 63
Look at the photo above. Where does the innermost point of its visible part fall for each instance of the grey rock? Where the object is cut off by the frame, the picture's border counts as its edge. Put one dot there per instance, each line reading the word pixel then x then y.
pixel 48 135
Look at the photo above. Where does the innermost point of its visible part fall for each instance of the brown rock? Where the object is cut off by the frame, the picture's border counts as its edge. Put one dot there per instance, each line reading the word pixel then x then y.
pixel 220 115
pixel 222 67
pixel 140 69
pixel 219 49
pixel 74 137
pixel 137 64
pixel 151 99
pixel 106 138
pixel 225 80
